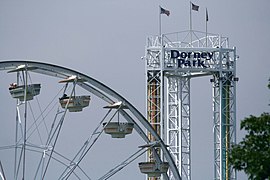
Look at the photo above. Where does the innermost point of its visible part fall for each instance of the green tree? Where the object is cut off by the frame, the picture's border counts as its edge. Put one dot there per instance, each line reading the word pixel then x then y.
pixel 252 154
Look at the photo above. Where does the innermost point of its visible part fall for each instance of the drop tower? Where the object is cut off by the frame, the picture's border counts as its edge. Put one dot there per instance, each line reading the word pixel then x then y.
pixel 171 62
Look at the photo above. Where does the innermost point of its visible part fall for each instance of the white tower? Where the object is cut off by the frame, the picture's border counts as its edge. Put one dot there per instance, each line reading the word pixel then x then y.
pixel 172 60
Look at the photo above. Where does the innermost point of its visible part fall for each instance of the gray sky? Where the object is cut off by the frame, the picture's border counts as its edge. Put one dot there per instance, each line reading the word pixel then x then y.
pixel 105 39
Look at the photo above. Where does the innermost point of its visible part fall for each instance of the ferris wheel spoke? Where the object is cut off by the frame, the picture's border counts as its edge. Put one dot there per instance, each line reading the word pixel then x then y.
pixel 52 104
pixel 19 162
pixel 48 141
pixel 38 167
pixel 35 124
pixel 42 115
pixel 55 156
pixel 68 162
pixel 38 125
pixel 40 109
pixel 20 124
pixel 58 132
pixel 86 146
pixel 96 132
pixel 57 135
pixel 123 164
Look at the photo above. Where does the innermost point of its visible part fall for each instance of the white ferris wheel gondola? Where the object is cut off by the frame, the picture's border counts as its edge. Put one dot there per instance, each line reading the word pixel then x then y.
pixel 74 103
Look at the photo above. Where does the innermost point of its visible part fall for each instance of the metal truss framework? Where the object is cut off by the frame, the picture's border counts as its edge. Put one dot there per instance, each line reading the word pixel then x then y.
pixel 173 110
pixel 224 123
pixel 153 104
pixel 178 123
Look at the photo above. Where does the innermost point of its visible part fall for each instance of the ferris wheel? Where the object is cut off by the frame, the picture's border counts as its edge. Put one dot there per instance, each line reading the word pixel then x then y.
pixel 58 123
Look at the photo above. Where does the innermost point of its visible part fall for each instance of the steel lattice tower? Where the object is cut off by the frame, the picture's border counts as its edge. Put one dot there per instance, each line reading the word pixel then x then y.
pixel 172 60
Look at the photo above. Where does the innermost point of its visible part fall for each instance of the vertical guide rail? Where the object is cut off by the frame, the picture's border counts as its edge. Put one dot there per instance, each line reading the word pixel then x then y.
pixel 225 125
pixel 173 121
pixel 224 117
pixel 185 128
pixel 216 126
pixel 178 123
pixel 222 124
pixel 154 108
pixel 155 91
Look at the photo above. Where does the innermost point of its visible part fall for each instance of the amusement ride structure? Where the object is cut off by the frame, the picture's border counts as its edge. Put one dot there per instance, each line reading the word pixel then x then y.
pixel 56 134
pixel 172 60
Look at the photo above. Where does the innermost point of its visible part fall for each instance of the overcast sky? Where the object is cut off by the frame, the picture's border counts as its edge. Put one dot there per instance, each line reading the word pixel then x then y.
pixel 105 39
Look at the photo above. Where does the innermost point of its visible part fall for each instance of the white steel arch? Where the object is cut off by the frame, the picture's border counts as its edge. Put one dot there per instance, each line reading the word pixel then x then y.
pixel 103 92
pixel 177 58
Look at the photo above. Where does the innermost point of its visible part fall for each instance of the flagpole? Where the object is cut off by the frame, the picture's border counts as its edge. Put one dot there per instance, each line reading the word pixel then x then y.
pixel 206 20
pixel 159 21
pixel 190 17
pixel 162 11
pixel 190 21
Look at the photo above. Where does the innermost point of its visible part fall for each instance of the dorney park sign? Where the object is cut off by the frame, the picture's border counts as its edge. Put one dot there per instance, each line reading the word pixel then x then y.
pixel 191 59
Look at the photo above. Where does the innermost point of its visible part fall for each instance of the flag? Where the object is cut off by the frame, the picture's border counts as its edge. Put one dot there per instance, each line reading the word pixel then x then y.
pixel 206 15
pixel 194 7
pixel 164 11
